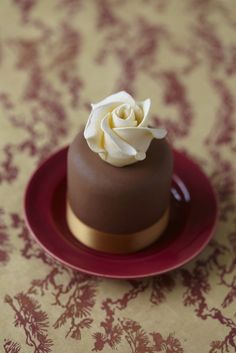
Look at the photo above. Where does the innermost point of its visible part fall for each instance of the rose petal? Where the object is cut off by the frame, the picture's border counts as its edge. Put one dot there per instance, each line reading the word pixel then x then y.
pixel 140 137
pixel 146 104
pixel 120 97
pixel 120 122
pixel 118 162
pixel 138 113
pixel 159 133
pixel 92 131
pixel 115 146
pixel 140 156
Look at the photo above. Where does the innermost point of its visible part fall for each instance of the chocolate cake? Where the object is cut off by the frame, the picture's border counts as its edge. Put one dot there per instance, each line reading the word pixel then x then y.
pixel 118 209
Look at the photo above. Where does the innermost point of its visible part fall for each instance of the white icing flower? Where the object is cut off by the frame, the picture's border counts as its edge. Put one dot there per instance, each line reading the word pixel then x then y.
pixel 117 129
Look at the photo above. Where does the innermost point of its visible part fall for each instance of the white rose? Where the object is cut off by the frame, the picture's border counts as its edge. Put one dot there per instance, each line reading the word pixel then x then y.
pixel 117 129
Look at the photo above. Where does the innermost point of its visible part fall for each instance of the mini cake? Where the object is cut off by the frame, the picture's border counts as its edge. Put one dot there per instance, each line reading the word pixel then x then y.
pixel 119 177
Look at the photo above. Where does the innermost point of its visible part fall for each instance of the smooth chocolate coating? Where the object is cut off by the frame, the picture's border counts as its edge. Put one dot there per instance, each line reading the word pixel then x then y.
pixel 119 199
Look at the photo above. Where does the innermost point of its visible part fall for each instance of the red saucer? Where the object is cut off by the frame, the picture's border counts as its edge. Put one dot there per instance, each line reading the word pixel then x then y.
pixel 191 226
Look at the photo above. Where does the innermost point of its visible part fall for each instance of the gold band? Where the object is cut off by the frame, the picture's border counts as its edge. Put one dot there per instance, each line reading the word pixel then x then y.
pixel 115 243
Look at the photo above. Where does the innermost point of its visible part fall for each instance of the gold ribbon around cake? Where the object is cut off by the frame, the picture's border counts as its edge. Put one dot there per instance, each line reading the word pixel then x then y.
pixel 115 243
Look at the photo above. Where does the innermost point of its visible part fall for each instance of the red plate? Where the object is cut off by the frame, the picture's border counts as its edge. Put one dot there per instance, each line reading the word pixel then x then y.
pixel 191 226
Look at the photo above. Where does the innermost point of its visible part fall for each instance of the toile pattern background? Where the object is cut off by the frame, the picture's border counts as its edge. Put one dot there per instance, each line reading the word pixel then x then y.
pixel 55 58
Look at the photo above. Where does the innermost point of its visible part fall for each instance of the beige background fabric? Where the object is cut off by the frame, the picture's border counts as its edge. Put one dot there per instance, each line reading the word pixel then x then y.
pixel 56 57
